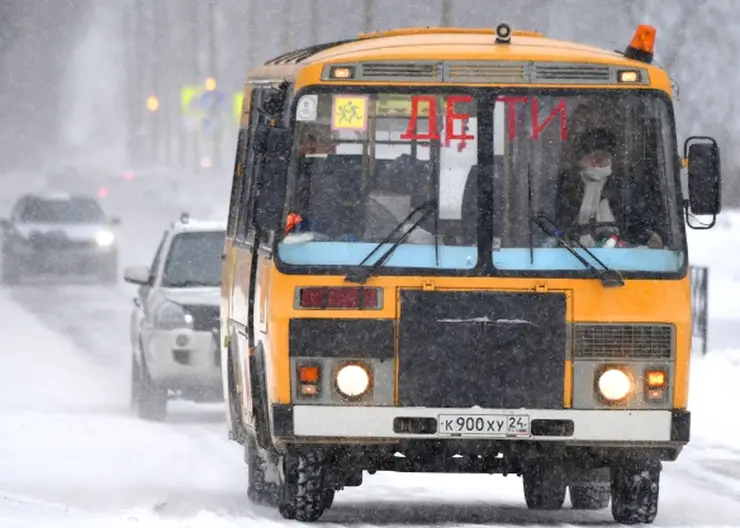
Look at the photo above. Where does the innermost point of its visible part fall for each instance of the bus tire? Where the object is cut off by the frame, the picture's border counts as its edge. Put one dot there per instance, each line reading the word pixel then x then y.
pixel 635 489
pixel 593 496
pixel 544 486
pixel 259 491
pixel 304 494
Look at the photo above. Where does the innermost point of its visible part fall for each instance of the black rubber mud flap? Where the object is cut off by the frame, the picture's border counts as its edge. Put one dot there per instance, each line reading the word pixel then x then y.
pixel 235 404
pixel 259 398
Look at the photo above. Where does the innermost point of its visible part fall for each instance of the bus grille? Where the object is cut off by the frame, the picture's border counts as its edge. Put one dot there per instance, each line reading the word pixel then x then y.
pixel 543 72
pixel 623 341
pixel 415 71
pixel 496 350
pixel 487 72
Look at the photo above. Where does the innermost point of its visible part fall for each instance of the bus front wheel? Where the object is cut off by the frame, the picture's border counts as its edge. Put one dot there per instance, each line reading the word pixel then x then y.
pixel 635 487
pixel 305 493
pixel 544 486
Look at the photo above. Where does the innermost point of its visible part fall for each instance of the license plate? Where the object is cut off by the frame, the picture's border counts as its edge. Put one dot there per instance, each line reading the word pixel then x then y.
pixel 497 425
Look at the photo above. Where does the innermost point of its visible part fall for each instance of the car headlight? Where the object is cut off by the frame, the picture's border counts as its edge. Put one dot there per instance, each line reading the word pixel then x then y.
pixel 353 380
pixel 171 316
pixel 104 238
pixel 614 384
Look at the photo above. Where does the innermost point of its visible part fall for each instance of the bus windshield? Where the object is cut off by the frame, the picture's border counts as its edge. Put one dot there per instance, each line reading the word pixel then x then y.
pixel 601 166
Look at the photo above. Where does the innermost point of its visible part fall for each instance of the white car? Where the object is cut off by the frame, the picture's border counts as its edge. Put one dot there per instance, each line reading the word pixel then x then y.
pixel 175 324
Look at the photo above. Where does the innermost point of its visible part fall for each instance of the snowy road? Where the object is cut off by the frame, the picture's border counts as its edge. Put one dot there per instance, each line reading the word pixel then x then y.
pixel 71 454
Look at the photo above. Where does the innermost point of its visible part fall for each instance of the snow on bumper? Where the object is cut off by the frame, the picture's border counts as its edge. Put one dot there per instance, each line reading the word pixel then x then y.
pixel 572 426
pixel 184 358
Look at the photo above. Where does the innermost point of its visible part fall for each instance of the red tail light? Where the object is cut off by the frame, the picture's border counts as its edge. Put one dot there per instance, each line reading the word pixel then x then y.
pixel 324 298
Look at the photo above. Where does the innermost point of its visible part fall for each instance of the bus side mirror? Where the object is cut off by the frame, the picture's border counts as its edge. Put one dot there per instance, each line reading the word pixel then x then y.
pixel 704 176
pixel 276 144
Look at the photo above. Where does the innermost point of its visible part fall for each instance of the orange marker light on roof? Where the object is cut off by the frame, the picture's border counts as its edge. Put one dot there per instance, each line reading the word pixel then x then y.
pixel 642 45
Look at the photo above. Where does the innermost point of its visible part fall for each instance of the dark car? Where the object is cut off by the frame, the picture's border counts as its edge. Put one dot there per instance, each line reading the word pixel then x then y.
pixel 59 233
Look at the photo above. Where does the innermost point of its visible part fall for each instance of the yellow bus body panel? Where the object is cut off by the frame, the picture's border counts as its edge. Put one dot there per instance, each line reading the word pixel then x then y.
pixel 639 301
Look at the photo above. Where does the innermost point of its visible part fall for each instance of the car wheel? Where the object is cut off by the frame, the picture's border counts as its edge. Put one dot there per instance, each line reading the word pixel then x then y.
pixel 108 273
pixel 149 401
pixel 11 273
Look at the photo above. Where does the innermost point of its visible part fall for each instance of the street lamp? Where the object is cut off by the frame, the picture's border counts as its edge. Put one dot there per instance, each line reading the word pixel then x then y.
pixel 152 103
pixel 210 84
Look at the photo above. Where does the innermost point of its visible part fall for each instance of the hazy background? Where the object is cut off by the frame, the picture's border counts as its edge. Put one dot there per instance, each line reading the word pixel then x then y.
pixel 76 74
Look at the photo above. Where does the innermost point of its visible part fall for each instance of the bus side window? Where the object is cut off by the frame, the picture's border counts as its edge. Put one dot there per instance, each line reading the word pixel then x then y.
pixel 244 213
pixel 237 182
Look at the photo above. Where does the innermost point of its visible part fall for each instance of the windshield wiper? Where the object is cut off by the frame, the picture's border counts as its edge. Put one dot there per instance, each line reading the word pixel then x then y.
pixel 609 278
pixel 361 273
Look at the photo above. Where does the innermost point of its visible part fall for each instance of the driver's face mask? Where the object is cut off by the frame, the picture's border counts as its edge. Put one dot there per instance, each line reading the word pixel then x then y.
pixel 596 174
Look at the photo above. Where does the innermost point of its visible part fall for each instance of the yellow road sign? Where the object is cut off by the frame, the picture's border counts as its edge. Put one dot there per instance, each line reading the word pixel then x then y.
pixel 187 95
pixel 238 102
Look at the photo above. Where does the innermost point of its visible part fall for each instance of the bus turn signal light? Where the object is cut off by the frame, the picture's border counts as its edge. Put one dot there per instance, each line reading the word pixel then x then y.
pixel 642 46
pixel 656 385
pixel 309 377
pixel 656 379
pixel 341 298
pixel 308 374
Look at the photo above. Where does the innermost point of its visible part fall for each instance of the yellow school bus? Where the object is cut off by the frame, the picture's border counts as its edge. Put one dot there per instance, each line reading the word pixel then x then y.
pixel 462 250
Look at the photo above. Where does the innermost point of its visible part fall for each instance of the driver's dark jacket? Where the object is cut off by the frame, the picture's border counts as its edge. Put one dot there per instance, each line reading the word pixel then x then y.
pixel 635 226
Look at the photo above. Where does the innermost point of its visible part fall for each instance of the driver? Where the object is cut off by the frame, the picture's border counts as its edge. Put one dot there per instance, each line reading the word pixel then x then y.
pixel 589 194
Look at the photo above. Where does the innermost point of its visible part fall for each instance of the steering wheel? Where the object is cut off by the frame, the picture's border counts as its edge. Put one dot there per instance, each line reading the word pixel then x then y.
pixel 575 232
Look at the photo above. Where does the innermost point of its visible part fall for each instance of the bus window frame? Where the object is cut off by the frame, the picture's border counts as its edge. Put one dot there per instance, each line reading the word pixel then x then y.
pixel 484 267
pixel 237 181
pixel 244 217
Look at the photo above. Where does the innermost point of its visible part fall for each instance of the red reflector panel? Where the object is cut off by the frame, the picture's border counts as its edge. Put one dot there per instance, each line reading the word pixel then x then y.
pixel 312 297
pixel 339 298
pixel 370 299
pixel 343 298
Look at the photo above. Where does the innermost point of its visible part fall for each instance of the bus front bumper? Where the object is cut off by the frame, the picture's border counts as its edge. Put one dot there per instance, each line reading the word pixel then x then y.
pixel 393 424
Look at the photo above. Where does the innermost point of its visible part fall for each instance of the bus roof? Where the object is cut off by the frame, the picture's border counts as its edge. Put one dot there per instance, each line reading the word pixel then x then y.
pixel 435 44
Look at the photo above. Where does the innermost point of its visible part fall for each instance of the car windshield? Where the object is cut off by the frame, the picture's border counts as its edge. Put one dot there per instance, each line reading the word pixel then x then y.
pixel 602 165
pixel 75 210
pixel 194 260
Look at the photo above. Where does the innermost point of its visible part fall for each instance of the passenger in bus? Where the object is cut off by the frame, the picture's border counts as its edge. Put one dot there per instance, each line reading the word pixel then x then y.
pixel 591 193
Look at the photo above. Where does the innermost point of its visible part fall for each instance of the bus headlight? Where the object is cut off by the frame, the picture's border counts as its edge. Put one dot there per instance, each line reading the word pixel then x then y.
pixel 614 384
pixel 353 380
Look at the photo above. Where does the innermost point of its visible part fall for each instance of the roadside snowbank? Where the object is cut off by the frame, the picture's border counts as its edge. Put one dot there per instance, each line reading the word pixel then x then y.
pixel 714 392
pixel 67 437
pixel 715 379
